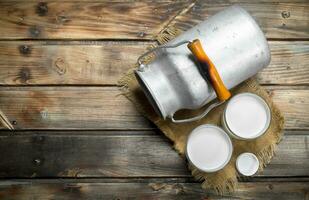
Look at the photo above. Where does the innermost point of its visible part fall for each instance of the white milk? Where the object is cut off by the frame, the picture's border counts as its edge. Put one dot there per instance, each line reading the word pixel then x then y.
pixel 247 116
pixel 247 164
pixel 209 148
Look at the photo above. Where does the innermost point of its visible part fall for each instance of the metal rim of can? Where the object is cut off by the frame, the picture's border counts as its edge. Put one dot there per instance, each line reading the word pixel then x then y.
pixel 230 146
pixel 151 97
pixel 233 134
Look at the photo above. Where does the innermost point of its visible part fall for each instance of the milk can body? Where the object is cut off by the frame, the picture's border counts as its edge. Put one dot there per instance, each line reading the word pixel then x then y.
pixel 232 40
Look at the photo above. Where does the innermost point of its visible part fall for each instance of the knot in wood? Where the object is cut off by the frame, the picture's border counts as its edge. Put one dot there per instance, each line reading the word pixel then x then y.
pixel 270 186
pixel 285 14
pixel 24 49
pixel 141 34
pixel 60 66
pixel 44 114
pixel 37 161
pixel 61 19
pixel 42 9
pixel 34 31
pixel 24 74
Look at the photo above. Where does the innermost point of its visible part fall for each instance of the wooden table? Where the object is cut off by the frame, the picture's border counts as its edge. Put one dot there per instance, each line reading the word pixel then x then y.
pixel 78 139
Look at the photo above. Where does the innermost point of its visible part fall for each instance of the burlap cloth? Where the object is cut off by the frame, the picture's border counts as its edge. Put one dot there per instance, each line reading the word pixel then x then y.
pixel 225 180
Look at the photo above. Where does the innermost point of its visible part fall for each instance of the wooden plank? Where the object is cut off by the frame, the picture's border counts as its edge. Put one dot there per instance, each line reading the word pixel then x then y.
pixel 208 1
pixel 69 107
pixel 117 155
pixel 277 20
pixel 103 63
pixel 64 189
pixel 295 109
pixel 81 20
pixel 137 20
pixel 289 64
pixel 104 108
pixel 82 63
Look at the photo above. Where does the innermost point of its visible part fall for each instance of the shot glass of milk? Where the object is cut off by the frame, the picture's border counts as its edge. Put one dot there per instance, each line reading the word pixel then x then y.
pixel 246 116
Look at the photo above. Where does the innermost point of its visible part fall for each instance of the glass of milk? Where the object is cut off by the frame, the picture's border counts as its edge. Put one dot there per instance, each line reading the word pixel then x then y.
pixel 246 116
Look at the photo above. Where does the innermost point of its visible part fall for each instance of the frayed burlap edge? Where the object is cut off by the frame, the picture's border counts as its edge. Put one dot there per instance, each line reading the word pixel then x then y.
pixel 221 185
pixel 265 155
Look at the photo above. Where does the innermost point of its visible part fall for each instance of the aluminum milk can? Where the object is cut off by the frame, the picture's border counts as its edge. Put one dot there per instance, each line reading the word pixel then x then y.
pixel 174 80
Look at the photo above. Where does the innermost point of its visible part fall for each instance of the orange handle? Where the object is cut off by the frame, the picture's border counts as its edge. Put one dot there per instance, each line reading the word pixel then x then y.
pixel 197 50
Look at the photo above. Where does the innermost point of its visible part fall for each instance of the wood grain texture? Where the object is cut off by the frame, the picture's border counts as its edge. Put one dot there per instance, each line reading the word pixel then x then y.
pixel 113 154
pixel 65 189
pixel 127 164
pixel 289 64
pixel 136 20
pixel 105 108
pixel 132 1
pixel 82 63
pixel 103 63
pixel 69 107
pixel 277 20
pixel 294 104
pixel 81 20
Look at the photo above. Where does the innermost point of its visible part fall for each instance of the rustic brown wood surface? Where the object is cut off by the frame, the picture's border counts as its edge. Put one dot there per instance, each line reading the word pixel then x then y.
pixel 105 107
pixel 121 154
pixel 136 20
pixel 278 20
pixel 78 138
pixel 85 20
pixel 103 63
pixel 149 189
